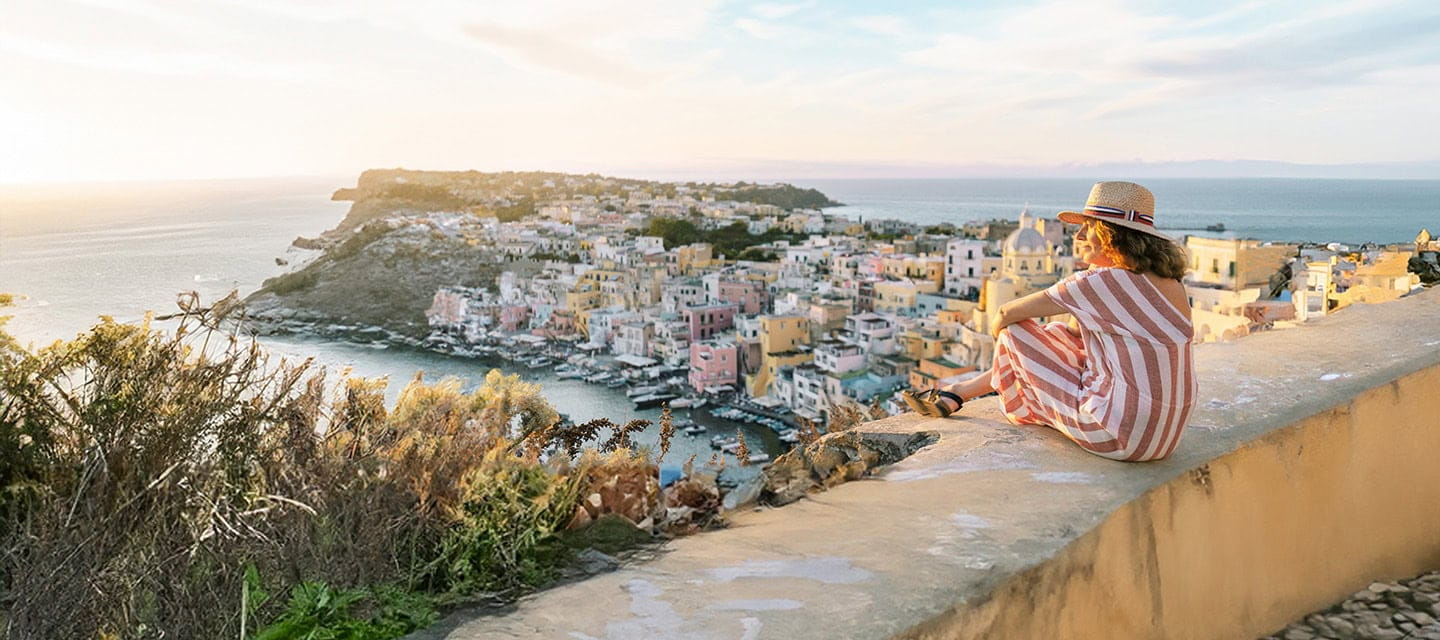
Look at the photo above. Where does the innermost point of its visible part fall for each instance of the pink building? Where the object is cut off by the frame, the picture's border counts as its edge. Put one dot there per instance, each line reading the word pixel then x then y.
pixel 712 364
pixel 751 297
pixel 707 320
pixel 514 317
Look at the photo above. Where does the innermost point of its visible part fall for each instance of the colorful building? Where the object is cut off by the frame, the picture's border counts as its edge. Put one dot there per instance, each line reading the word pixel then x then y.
pixel 713 364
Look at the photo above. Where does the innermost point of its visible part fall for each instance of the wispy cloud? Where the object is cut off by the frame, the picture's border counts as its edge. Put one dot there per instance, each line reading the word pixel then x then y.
pixel 881 25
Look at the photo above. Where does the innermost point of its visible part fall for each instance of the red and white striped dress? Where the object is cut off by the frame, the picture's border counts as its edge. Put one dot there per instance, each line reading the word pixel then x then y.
pixel 1124 388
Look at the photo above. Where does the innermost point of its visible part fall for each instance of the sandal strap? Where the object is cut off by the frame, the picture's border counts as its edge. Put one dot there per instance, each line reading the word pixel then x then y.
pixel 959 402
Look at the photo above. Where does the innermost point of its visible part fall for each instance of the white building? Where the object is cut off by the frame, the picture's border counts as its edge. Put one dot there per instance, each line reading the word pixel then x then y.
pixel 964 258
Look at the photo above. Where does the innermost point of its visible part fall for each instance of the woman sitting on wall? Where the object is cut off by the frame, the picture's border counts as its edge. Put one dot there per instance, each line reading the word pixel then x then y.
pixel 1123 383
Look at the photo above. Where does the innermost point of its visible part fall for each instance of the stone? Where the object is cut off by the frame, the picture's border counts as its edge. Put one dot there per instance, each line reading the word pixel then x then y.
pixel 1296 633
pixel 1367 595
pixel 834 459
pixel 744 494
pixel 1341 628
pixel 1421 618
pixel 592 562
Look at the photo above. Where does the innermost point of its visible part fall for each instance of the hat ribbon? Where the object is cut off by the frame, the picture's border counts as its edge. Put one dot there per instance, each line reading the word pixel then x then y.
pixel 1112 212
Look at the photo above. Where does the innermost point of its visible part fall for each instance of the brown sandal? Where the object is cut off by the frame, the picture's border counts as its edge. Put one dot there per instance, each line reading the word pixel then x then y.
pixel 927 402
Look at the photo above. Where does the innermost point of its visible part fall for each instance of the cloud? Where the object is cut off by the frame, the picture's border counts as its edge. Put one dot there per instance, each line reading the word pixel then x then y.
pixel 774 11
pixel 887 26
pixel 1163 59
pixel 525 47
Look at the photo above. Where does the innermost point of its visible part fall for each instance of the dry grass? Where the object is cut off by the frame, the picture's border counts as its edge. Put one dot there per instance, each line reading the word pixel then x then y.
pixel 144 471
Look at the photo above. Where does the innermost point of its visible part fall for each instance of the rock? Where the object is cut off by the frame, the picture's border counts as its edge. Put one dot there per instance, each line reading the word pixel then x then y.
pixel 1378 587
pixel 746 493
pixel 1298 634
pixel 1367 595
pixel 1341 628
pixel 1421 618
pixel 592 562
pixel 834 459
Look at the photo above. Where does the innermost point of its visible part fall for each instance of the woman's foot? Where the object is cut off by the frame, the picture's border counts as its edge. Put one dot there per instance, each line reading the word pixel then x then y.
pixel 935 403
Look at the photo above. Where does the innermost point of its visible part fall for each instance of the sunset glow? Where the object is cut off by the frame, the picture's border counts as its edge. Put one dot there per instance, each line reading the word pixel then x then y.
pixel 154 89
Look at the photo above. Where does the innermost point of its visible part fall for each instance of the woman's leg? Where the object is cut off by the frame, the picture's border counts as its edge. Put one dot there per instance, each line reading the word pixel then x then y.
pixel 969 389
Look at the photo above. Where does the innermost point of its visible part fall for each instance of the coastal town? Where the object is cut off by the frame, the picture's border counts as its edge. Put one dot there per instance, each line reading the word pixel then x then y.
pixel 759 303
pixel 818 310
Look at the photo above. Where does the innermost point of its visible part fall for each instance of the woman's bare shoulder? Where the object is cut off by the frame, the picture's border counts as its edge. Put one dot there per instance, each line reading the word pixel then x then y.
pixel 1173 290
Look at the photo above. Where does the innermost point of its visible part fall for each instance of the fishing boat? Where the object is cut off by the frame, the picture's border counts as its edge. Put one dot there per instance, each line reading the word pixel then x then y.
pixel 688 402
pixel 653 400
pixel 758 457
pixel 645 390
pixel 599 377
pixel 694 430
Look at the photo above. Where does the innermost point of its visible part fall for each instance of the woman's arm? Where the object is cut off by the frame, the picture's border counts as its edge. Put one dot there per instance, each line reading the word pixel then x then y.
pixel 1035 305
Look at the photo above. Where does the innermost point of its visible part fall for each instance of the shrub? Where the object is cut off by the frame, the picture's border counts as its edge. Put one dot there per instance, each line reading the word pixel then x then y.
pixel 152 479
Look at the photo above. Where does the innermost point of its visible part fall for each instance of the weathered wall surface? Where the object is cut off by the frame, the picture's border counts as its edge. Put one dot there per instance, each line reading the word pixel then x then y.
pixel 1308 470
pixel 1289 523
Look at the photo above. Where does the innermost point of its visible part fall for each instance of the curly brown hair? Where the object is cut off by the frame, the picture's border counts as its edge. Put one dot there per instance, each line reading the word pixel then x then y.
pixel 1138 251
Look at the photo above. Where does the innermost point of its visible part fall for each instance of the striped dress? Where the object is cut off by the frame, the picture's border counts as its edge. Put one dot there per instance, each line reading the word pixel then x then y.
pixel 1123 388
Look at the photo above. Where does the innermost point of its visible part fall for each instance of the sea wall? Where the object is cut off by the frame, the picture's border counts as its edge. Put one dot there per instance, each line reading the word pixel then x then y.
pixel 1308 471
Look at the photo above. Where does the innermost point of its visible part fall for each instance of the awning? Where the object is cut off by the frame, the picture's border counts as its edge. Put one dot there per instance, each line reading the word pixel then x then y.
pixel 635 361
pixel 724 388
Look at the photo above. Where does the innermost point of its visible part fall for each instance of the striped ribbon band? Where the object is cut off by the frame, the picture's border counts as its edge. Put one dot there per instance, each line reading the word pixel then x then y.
pixel 1112 212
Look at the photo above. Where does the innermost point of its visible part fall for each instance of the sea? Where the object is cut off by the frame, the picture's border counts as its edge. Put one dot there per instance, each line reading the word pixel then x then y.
pixel 74 253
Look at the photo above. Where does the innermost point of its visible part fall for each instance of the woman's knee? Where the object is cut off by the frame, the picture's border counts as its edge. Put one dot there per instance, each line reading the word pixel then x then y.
pixel 1028 325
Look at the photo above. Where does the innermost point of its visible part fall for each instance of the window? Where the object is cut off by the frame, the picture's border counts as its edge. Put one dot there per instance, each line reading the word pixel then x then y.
pixel 1232 268
pixel 1214 265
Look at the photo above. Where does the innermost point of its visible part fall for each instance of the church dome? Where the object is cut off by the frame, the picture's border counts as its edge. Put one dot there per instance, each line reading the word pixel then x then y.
pixel 1024 240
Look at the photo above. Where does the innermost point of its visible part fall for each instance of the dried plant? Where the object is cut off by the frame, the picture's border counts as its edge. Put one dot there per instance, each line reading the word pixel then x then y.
pixel 742 451
pixel 667 430
pixel 808 433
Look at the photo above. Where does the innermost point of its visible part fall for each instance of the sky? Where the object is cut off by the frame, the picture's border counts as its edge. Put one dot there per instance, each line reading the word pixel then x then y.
pixel 157 89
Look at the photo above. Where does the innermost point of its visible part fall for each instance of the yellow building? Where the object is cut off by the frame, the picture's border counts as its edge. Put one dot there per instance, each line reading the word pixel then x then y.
pixel 923 344
pixel 932 370
pixel 784 340
pixel 1384 278
pixel 783 333
pixel 1233 263
pixel 694 257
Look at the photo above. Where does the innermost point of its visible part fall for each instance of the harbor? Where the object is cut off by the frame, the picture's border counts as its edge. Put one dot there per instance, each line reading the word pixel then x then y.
pixel 590 388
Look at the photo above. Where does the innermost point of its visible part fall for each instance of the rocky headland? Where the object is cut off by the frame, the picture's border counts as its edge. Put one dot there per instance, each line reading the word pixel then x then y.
pixel 408 233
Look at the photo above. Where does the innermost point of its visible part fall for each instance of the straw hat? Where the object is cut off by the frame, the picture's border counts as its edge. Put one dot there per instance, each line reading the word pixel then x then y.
pixel 1123 204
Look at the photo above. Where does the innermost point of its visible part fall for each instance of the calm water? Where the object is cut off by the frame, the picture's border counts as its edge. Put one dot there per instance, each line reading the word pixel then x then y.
pixel 80 252
pixel 1281 209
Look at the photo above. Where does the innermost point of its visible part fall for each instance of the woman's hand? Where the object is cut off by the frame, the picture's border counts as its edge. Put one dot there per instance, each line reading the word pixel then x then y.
pixel 1005 318
pixel 1035 305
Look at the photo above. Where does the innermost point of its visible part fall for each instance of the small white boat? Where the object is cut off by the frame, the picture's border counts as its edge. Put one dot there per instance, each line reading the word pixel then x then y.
pixel 693 430
pixel 688 402
pixel 759 457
